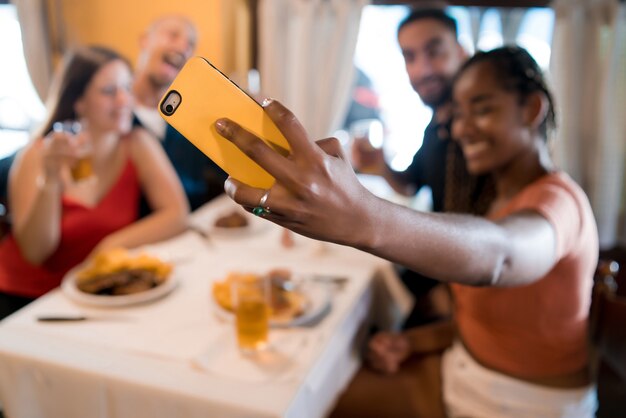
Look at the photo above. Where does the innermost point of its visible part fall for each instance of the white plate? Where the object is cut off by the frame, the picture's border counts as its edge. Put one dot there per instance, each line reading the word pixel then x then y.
pixel 318 305
pixel 69 288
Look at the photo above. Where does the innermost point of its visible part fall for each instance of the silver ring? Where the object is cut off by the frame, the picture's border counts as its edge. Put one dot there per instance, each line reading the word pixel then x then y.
pixel 263 200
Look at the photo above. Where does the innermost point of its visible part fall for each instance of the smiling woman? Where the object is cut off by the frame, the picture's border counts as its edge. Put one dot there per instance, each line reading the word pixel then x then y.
pixel 538 241
pixel 493 139
pixel 59 219
pixel 403 114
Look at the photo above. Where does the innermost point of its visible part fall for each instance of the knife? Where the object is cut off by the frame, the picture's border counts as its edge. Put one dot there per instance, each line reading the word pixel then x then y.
pixel 61 318
pixel 78 318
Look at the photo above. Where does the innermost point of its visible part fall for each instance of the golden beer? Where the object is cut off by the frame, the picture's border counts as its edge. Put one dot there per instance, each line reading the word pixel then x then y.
pixel 82 169
pixel 252 317
pixel 251 306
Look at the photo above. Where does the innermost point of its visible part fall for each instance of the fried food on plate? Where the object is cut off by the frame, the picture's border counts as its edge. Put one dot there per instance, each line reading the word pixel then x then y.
pixel 117 272
pixel 285 304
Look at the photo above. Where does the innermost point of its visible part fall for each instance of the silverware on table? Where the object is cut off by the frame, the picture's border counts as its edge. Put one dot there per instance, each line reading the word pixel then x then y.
pixel 337 282
pixel 202 233
pixel 61 318
pixel 78 318
pixel 328 278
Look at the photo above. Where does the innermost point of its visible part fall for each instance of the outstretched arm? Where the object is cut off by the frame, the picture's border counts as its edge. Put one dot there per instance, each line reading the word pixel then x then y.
pixel 318 195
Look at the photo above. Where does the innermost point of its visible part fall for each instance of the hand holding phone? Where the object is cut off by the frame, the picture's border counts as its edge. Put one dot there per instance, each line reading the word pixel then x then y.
pixel 199 96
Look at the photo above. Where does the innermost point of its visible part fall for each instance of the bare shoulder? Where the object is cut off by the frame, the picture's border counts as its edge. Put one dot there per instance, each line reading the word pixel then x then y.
pixel 140 140
pixel 146 152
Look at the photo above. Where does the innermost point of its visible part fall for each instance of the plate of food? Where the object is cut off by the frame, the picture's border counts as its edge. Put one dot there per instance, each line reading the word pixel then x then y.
pixel 118 277
pixel 293 301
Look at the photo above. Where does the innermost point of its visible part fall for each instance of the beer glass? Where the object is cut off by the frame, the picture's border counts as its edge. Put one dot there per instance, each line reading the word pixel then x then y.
pixel 251 304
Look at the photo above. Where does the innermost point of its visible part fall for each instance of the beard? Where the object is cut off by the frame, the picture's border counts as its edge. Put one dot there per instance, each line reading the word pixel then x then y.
pixel 435 98
pixel 159 82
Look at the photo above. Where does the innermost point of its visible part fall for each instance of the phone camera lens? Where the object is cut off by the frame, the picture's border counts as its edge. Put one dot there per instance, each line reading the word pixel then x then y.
pixel 169 109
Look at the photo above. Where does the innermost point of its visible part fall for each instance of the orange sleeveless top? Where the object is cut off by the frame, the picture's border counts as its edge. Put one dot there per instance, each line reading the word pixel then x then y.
pixel 538 330
pixel 82 228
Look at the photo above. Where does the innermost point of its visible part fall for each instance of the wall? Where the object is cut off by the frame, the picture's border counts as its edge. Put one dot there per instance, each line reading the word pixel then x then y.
pixel 119 24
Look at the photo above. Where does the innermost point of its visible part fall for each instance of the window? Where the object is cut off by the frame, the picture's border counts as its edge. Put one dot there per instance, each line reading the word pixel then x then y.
pixel 378 56
pixel 20 106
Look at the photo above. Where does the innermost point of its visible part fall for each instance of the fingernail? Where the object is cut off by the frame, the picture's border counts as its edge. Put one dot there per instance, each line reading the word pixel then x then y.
pixel 220 124
pixel 229 187
pixel 267 102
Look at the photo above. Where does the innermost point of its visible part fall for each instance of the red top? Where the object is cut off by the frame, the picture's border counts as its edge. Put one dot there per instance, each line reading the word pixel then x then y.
pixel 82 228
pixel 538 330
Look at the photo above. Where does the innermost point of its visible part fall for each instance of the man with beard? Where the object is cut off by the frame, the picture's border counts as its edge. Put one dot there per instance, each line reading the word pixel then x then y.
pixel 432 56
pixel 165 47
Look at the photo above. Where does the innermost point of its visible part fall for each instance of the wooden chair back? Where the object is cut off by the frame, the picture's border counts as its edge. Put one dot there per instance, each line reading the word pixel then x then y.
pixel 608 319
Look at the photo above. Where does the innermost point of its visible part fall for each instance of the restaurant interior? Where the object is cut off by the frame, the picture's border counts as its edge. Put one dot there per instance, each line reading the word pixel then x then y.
pixel 174 346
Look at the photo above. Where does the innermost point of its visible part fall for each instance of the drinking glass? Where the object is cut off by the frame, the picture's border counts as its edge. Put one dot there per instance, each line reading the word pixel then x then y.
pixel 83 167
pixel 367 140
pixel 251 303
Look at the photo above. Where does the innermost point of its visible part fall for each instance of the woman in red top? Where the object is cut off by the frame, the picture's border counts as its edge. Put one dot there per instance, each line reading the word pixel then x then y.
pixel 58 218
pixel 522 276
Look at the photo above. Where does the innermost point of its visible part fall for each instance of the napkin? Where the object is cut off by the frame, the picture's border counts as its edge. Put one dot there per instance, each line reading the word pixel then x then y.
pixel 280 361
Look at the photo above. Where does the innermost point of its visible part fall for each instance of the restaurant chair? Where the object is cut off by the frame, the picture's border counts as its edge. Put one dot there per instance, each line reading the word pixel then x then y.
pixel 608 340
pixel 5 220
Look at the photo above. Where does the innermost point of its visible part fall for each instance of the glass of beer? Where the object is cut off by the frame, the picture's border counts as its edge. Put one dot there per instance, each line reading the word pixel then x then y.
pixel 83 167
pixel 251 297
pixel 367 137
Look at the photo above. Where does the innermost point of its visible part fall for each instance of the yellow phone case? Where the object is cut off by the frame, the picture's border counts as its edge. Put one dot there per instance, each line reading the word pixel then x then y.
pixel 207 95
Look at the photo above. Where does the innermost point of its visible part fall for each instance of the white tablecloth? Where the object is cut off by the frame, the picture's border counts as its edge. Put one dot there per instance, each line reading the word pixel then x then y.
pixel 177 357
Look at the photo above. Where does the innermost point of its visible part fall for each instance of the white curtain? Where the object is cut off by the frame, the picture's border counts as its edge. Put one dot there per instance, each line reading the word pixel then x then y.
pixel 306 58
pixel 588 69
pixel 33 18
pixel 511 20
pixel 476 20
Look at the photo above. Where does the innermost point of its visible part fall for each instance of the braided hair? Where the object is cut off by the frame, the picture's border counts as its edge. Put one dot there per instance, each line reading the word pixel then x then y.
pixel 517 71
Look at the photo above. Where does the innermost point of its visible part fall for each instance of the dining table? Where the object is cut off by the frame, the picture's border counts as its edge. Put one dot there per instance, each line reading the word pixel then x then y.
pixel 176 354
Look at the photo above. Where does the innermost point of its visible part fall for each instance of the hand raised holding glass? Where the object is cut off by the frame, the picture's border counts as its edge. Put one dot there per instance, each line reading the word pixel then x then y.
pixel 82 166
pixel 60 149
pixel 367 154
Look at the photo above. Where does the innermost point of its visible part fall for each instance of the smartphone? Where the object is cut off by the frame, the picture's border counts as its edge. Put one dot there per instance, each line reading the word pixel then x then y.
pixel 201 94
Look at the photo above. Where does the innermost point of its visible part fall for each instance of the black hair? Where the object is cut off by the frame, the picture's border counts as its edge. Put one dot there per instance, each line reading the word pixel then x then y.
pixel 437 14
pixel 80 65
pixel 517 71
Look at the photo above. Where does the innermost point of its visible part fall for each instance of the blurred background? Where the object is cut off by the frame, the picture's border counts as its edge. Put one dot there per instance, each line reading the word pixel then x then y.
pixel 335 62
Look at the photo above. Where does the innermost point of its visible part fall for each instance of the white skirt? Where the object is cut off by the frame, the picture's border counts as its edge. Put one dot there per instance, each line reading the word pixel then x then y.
pixel 471 390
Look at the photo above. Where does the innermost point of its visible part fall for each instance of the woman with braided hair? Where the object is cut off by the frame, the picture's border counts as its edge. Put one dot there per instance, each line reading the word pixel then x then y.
pixel 521 275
